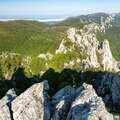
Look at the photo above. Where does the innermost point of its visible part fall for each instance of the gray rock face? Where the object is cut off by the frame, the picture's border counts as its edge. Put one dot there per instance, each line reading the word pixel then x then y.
pixel 110 91
pixel 107 60
pixel 5 105
pixel 88 106
pixel 61 102
pixel 97 54
pixel 8 98
pixel 32 104
pixel 79 104
pixel 67 104
pixel 5 113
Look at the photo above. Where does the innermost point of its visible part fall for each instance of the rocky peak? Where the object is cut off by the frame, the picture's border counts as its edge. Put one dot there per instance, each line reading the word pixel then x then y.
pixel 32 104
pixel 71 34
pixel 88 106
pixel 107 22
pixel 107 60
pixel 97 54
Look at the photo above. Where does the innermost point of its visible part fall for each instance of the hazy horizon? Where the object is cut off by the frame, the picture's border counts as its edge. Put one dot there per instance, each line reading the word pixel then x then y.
pixel 55 9
pixel 43 17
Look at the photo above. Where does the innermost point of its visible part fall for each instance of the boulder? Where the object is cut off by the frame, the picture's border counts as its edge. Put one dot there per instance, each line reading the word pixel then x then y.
pixel 109 90
pixel 88 106
pixel 5 105
pixel 46 56
pixel 33 104
pixel 5 113
pixel 8 98
pixel 61 102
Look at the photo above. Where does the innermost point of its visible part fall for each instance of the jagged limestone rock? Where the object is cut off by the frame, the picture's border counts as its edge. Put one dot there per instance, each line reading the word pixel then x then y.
pixel 107 60
pixel 61 102
pixel 88 44
pixel 109 89
pixel 88 106
pixel 71 34
pixel 5 113
pixel 33 104
pixel 62 48
pixel 46 56
pixel 5 105
pixel 97 54
pixel 8 98
pixel 79 104
pixel 67 104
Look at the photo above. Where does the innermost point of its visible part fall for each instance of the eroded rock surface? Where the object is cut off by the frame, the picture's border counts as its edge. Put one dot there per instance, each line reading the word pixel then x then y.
pixel 79 104
pixel 5 105
pixel 88 106
pixel 68 103
pixel 5 113
pixel 109 89
pixel 32 104
pixel 85 40
pixel 61 102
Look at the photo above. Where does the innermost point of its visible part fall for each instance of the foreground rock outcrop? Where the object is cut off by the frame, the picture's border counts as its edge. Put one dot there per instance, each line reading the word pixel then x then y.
pixel 88 106
pixel 5 113
pixel 109 89
pixel 67 104
pixel 79 104
pixel 5 105
pixel 32 104
pixel 61 102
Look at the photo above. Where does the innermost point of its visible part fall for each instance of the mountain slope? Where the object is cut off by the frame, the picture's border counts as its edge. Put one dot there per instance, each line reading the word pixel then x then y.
pixel 112 34
pixel 29 37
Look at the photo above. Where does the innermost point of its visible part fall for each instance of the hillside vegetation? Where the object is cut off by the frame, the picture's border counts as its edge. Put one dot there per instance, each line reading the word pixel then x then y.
pixel 33 38
pixel 29 37
pixel 112 34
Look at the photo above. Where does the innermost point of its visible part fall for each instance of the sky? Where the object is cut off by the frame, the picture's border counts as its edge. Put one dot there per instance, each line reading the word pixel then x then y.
pixel 57 7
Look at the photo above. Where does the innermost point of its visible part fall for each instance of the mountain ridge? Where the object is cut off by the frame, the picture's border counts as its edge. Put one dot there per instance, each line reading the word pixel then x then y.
pixel 78 79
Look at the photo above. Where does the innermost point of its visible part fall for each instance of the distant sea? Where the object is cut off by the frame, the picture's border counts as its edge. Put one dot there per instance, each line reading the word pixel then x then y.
pixel 40 18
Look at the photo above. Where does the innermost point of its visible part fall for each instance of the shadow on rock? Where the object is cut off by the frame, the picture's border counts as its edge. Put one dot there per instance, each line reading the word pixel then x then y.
pixel 20 82
pixel 106 85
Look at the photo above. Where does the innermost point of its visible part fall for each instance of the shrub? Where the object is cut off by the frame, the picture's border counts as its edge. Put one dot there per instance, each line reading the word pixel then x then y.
pixel 37 65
